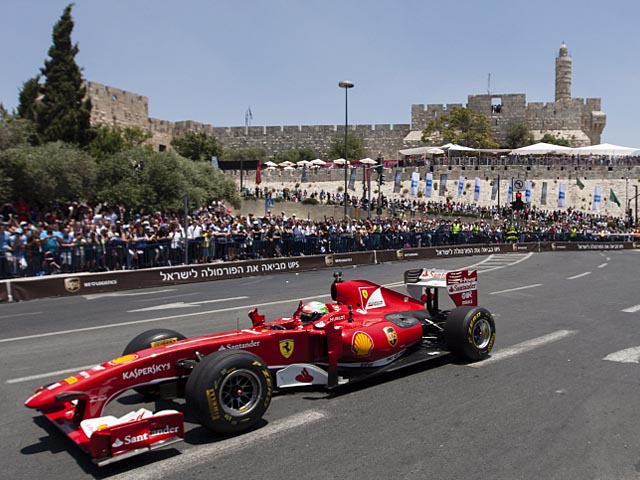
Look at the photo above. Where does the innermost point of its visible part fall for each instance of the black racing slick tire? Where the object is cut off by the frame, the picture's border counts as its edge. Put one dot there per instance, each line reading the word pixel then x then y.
pixel 470 333
pixel 229 391
pixel 153 338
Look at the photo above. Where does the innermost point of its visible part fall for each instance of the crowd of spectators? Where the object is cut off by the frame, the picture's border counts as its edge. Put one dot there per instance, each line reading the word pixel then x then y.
pixel 78 237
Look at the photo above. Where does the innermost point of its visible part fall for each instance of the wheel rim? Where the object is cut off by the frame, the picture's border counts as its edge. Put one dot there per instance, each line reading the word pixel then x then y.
pixel 481 333
pixel 240 392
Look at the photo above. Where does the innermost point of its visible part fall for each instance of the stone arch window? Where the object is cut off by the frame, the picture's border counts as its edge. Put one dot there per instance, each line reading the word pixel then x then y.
pixel 496 105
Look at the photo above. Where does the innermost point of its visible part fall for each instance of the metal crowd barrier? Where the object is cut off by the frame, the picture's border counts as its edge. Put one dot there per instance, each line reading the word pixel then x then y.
pixel 120 256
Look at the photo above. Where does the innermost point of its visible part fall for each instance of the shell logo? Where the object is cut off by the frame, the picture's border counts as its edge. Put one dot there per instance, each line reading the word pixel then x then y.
pixel 123 359
pixel 362 344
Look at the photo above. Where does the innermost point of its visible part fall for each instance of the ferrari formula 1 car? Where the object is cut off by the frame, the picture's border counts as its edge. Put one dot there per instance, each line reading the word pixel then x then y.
pixel 228 378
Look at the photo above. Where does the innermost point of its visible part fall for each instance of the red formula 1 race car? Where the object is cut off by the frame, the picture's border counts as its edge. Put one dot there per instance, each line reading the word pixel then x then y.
pixel 228 378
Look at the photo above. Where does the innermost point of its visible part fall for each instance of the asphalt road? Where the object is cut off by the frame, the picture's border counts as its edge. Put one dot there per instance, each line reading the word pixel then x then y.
pixel 558 399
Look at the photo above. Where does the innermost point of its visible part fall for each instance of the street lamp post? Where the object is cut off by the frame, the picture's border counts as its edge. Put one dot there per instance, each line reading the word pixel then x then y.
pixel 346 84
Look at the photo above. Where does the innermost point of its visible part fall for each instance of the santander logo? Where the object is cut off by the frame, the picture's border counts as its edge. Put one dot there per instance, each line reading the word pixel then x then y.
pixel 304 376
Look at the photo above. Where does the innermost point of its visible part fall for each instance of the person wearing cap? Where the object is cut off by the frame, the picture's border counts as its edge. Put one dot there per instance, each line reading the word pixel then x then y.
pixel 18 241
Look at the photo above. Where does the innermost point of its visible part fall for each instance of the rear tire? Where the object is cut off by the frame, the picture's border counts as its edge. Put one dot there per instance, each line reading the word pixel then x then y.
pixel 470 333
pixel 229 391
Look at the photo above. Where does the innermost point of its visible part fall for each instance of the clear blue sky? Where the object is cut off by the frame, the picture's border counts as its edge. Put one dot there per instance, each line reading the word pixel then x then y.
pixel 209 60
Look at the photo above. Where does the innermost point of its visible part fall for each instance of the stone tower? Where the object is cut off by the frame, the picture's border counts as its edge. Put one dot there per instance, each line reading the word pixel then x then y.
pixel 563 74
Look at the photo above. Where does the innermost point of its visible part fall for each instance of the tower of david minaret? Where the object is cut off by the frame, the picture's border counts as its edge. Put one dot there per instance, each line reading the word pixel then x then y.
pixel 563 74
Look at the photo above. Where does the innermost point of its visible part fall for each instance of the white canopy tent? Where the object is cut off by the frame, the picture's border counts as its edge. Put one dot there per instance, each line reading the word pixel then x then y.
pixel 456 148
pixel 604 149
pixel 317 161
pixel 541 149
pixel 422 151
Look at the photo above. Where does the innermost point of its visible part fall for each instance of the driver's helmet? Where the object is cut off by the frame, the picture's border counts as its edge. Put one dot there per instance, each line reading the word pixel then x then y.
pixel 312 311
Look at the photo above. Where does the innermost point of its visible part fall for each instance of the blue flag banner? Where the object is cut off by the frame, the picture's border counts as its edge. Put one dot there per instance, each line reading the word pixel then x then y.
pixel 460 185
pixel 398 181
pixel 415 181
pixel 476 190
pixel 562 195
pixel 527 192
pixel 597 198
pixel 494 189
pixel 429 185
pixel 443 184
pixel 352 180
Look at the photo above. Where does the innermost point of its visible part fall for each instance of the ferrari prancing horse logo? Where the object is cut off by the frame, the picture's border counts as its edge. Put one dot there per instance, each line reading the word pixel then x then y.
pixel 286 348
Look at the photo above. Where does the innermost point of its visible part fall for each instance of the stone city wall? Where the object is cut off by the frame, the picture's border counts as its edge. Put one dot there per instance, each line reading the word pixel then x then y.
pixel 576 119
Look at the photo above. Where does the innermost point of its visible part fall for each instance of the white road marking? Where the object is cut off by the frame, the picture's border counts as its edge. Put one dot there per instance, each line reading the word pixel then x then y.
pixel 602 265
pixel 20 315
pixel 629 355
pixel 125 294
pixel 634 309
pixel 579 275
pixel 156 319
pixel 516 289
pixel 202 454
pixel 185 304
pixel 523 347
pixel 50 374
pixel 506 260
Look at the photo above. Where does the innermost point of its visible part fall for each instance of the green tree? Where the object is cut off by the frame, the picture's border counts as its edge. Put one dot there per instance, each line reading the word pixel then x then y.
pixel 51 173
pixel 518 135
pixel 248 153
pixel 15 131
pixel 111 140
pixel 355 147
pixel 462 126
pixel 64 112
pixel 549 138
pixel 28 97
pixel 144 180
pixel 197 146
pixel 304 153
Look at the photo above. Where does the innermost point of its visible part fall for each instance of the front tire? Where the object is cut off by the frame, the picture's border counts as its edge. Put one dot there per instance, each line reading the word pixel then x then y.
pixel 153 338
pixel 470 333
pixel 229 391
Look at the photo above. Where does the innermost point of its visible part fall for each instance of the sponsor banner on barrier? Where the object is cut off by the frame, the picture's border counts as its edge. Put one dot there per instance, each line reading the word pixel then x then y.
pixel 85 284
pixel 464 250
pixel 586 246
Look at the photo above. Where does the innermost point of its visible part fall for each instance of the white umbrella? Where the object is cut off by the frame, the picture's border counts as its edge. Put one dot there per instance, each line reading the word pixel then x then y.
pixel 368 161
pixel 317 161
pixel 340 161
pixel 270 164
pixel 288 167
pixel 303 163
pixel 287 164
pixel 270 169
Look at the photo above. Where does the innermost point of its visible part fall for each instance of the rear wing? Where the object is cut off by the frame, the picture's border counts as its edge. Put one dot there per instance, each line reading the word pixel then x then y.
pixel 461 285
